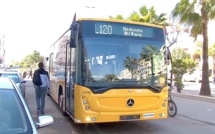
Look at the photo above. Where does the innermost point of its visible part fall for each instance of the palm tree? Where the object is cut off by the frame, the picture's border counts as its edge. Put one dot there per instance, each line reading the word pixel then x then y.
pixel 187 14
pixel 145 15
pixel 111 77
pixel 130 63
pixel 119 17
pixel 148 16
pixel 148 51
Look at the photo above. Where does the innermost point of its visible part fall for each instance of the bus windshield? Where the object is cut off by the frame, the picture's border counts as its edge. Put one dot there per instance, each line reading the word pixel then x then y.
pixel 113 61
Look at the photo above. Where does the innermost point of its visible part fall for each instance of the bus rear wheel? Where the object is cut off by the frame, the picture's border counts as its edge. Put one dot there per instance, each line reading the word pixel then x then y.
pixel 60 103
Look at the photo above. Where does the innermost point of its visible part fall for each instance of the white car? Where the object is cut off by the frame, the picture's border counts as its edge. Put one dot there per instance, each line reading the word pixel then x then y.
pixel 15 116
pixel 17 78
pixel 195 76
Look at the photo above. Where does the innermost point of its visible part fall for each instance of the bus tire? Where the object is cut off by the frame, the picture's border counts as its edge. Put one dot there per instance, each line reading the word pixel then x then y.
pixel 60 103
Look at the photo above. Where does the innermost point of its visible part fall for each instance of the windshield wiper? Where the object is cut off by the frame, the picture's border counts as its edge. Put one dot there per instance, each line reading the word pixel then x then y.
pixel 129 81
pixel 153 87
pixel 134 81
pixel 120 86
pixel 103 89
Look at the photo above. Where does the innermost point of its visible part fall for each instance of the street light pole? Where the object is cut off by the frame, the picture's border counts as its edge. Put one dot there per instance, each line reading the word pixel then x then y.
pixel 90 6
pixel 90 10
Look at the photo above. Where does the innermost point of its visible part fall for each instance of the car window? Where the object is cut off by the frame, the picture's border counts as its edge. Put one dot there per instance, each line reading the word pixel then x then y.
pixel 13 118
pixel 14 77
pixel 20 77
pixel 11 70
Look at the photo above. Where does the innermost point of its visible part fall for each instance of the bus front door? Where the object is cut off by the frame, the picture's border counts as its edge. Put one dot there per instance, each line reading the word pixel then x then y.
pixel 69 96
pixel 69 83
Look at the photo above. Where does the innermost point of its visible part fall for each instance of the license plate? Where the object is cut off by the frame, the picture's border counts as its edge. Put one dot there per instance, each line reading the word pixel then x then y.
pixel 129 117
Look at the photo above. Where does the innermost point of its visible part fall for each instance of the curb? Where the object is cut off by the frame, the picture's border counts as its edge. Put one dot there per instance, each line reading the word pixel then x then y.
pixel 195 97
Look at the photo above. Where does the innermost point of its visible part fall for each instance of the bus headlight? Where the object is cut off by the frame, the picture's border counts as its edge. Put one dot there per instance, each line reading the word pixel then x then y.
pixel 92 119
pixel 88 119
pixel 164 104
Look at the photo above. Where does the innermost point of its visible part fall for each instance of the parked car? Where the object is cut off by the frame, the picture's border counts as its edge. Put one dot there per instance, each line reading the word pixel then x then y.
pixel 14 69
pixel 11 70
pixel 17 78
pixel 195 76
pixel 15 116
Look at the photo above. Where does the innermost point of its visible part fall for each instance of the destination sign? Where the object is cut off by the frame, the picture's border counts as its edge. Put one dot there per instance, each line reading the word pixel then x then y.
pixel 108 28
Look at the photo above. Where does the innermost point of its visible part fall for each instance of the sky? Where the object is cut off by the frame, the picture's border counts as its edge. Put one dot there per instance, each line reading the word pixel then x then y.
pixel 36 24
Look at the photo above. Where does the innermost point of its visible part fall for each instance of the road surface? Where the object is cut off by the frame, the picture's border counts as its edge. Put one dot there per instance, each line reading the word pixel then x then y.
pixel 194 117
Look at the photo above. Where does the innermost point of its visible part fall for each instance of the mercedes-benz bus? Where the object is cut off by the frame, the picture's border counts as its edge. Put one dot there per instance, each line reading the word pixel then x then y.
pixel 104 70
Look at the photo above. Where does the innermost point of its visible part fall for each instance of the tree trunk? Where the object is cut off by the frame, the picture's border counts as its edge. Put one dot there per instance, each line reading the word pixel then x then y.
pixel 179 89
pixel 205 87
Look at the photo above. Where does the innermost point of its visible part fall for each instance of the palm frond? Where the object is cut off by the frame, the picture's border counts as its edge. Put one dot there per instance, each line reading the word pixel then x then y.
pixel 211 13
pixel 152 11
pixel 195 31
pixel 134 16
pixel 111 17
pixel 180 8
pixel 119 17
pixel 143 10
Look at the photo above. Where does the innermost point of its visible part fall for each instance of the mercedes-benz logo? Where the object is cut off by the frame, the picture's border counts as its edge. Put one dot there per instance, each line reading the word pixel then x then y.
pixel 130 102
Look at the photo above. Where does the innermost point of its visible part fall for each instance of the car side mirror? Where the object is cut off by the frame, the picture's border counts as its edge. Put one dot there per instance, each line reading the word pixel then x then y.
pixel 44 121
pixel 23 81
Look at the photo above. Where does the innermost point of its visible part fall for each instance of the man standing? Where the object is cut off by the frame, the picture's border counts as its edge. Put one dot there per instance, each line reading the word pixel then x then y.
pixel 30 74
pixel 41 84
pixel 24 74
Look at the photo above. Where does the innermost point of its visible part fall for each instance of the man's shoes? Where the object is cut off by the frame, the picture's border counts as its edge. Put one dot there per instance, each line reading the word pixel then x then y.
pixel 42 113
pixel 38 112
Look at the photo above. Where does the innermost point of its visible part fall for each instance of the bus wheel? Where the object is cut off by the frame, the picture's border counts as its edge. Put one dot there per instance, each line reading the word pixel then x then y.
pixel 60 103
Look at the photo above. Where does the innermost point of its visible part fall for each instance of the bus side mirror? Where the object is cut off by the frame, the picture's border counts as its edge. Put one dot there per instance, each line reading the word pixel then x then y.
pixel 74 35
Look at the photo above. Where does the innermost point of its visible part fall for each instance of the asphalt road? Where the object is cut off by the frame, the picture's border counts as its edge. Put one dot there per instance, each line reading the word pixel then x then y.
pixel 194 117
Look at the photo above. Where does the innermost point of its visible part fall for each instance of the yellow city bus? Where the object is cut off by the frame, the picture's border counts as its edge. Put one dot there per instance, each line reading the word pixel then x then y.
pixel 104 70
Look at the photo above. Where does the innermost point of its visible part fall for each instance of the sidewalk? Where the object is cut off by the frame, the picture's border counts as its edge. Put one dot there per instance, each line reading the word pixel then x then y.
pixel 194 94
